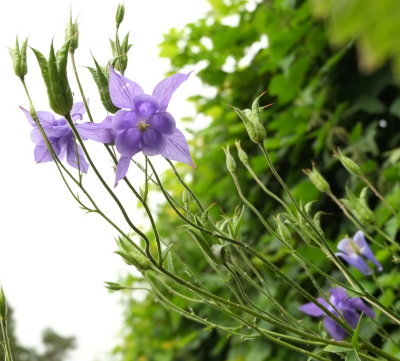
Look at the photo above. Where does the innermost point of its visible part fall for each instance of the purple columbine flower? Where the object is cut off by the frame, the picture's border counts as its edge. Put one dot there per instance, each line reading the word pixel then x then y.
pixel 348 307
pixel 143 124
pixel 353 249
pixel 62 138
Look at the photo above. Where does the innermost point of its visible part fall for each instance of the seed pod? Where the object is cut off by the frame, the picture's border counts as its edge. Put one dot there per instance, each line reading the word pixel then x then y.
pixel 252 121
pixel 72 34
pixel 348 163
pixel 119 16
pixel 230 161
pixel 18 56
pixel 317 179
pixel 241 153
pixel 54 73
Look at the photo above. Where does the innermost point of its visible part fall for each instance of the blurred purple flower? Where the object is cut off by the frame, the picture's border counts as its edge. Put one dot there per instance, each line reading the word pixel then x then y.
pixel 353 249
pixel 348 307
pixel 143 124
pixel 62 138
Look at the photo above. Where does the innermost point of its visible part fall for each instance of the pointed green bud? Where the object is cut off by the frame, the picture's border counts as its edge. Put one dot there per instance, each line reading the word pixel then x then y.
pixel 3 305
pixel 119 16
pixel 230 161
pixel 54 73
pixel 348 163
pixel 317 179
pixel 114 286
pixel 72 34
pixel 100 76
pixel 241 153
pixel 131 255
pixel 18 56
pixel 253 121
pixel 120 54
pixel 359 206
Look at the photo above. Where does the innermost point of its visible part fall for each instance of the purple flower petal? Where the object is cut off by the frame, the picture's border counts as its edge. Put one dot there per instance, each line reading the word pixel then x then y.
pixel 164 89
pixel 313 310
pixel 163 122
pixel 176 148
pixel 336 331
pixel 124 119
pixel 345 245
pixel 45 118
pixel 128 142
pixel 77 111
pixel 152 142
pixel 356 261
pixel 358 304
pixel 75 160
pixel 95 131
pixel 145 106
pixel 51 132
pixel 122 169
pixel 122 90
pixel 42 153
pixel 351 316
pixel 338 294
pixel 365 250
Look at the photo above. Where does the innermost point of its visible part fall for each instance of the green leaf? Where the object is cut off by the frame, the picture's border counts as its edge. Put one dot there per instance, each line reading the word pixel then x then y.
pixel 42 61
pixel 354 338
pixel 353 356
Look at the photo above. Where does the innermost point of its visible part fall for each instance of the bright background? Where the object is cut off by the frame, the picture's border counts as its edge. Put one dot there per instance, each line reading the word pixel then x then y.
pixel 53 258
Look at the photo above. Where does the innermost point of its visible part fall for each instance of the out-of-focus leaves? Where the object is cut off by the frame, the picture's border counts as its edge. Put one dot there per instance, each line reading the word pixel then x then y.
pixel 374 25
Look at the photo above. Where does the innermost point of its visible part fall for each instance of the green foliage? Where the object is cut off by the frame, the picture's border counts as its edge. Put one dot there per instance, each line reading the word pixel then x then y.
pixel 372 24
pixel 320 102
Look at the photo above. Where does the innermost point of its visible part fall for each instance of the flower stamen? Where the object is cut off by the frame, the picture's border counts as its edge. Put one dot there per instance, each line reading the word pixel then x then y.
pixel 143 126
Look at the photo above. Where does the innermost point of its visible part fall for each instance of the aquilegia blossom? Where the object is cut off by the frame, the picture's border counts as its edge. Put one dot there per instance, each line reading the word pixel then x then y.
pixel 348 307
pixel 62 139
pixel 353 249
pixel 143 124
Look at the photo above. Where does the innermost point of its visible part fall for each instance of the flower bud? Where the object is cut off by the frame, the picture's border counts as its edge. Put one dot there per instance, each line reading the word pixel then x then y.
pixel 119 16
pixel 114 286
pixel 359 206
pixel 317 179
pixel 72 34
pixel 230 161
pixel 100 76
pixel 3 305
pixel 252 121
pixel 241 153
pixel 348 163
pixel 54 73
pixel 131 255
pixel 18 56
pixel 120 53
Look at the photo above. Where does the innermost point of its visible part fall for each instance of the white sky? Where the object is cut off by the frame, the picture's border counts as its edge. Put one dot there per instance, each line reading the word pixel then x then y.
pixel 53 258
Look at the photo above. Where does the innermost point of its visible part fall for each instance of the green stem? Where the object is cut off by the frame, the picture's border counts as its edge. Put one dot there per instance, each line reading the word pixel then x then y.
pixel 353 281
pixel 376 192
